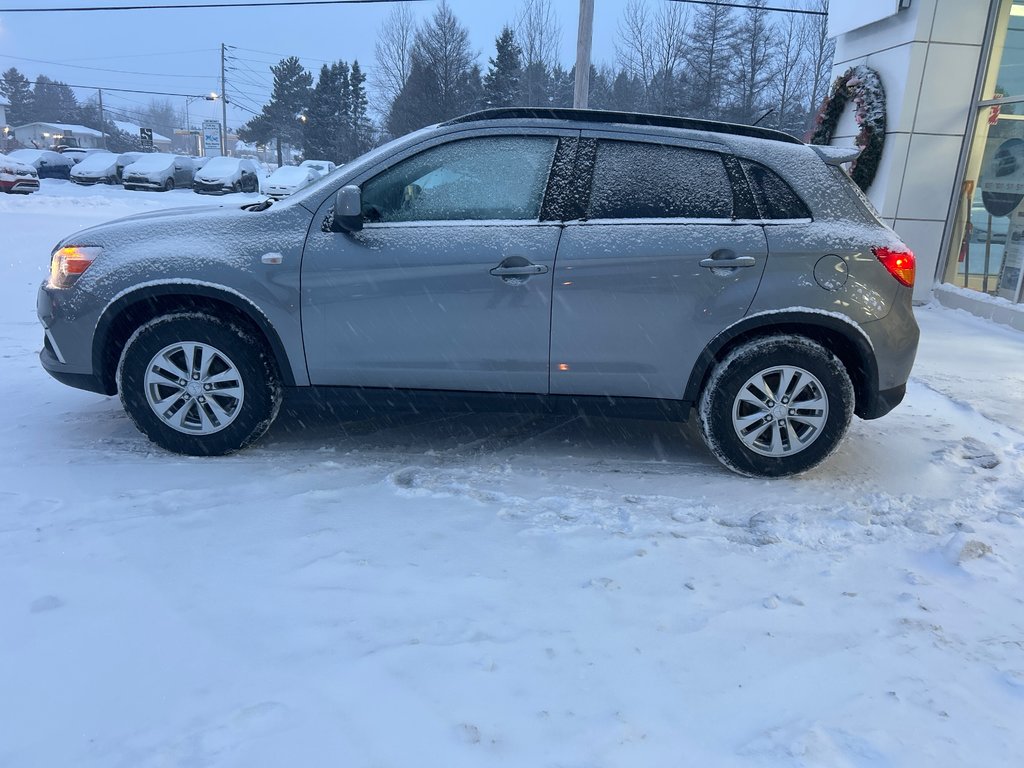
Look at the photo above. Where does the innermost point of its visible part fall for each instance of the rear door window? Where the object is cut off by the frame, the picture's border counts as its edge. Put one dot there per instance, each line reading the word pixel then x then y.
pixel 636 180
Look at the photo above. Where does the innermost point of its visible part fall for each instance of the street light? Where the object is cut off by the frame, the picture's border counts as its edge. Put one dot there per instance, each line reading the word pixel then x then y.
pixel 211 96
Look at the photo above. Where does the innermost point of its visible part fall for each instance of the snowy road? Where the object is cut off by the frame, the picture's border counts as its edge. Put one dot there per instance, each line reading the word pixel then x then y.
pixel 503 590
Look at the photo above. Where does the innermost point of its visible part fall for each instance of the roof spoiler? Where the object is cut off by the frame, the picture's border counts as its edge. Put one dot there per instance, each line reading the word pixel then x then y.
pixel 836 155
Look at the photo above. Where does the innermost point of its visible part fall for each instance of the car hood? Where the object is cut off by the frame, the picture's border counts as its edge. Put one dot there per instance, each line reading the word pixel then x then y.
pixel 169 244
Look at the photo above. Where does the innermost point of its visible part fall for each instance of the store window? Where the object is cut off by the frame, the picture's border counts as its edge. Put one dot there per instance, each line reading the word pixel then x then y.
pixel 987 247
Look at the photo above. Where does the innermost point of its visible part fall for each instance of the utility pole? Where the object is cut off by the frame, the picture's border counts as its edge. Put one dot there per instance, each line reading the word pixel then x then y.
pixel 103 132
pixel 584 42
pixel 223 106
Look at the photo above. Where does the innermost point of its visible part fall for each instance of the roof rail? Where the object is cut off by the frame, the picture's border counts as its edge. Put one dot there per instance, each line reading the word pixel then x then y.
pixel 628 118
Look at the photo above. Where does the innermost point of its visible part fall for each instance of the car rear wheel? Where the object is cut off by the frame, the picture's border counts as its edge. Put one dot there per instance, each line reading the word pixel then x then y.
pixel 776 406
pixel 198 385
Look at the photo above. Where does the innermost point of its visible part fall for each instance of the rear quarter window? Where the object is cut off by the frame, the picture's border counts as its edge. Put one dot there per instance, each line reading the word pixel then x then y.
pixel 775 198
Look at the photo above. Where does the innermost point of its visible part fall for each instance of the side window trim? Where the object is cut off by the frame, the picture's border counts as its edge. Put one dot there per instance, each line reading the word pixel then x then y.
pixel 559 194
pixel 762 208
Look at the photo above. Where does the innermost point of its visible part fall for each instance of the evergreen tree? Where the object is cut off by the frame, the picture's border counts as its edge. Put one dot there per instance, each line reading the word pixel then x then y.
pixel 16 89
pixel 707 58
pixel 279 118
pixel 361 125
pixel 326 115
pixel 561 87
pixel 502 81
pixel 53 101
pixel 627 92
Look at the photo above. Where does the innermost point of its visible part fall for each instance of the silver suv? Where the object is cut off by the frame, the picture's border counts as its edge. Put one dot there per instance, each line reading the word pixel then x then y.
pixel 570 258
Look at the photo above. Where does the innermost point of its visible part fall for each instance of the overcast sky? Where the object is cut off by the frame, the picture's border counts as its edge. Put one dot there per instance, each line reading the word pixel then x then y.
pixel 178 50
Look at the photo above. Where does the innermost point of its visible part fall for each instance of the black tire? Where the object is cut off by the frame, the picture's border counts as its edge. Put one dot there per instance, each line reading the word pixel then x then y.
pixel 245 350
pixel 236 187
pixel 168 185
pixel 720 401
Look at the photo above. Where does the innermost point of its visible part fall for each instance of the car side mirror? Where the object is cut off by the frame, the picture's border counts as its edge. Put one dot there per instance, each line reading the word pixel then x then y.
pixel 348 209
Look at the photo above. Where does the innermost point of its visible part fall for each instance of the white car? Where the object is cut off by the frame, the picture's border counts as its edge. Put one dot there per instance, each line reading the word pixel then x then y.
pixel 158 171
pixel 288 179
pixel 323 167
pixel 227 174
pixel 97 168
pixel 17 178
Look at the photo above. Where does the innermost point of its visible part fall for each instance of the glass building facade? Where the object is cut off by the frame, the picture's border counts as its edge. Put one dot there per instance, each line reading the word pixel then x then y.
pixel 985 235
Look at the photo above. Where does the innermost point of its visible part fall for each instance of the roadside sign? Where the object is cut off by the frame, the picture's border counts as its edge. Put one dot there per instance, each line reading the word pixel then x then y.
pixel 146 135
pixel 211 138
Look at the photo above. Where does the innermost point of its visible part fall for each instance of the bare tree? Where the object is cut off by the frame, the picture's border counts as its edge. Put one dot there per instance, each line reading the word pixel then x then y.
pixel 393 55
pixel 539 34
pixel 650 48
pixel 633 47
pixel 753 52
pixel 789 78
pixel 821 50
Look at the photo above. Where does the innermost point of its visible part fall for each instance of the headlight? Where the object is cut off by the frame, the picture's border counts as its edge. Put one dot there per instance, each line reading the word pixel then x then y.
pixel 68 263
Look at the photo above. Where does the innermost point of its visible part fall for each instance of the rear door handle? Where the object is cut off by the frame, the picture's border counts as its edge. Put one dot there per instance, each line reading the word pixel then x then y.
pixel 736 261
pixel 519 271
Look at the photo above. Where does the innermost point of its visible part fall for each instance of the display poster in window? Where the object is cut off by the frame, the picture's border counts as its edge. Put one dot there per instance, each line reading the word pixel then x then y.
pixel 1013 260
pixel 1002 176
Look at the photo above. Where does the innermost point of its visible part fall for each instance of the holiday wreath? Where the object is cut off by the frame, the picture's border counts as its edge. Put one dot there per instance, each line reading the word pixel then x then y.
pixel 863 85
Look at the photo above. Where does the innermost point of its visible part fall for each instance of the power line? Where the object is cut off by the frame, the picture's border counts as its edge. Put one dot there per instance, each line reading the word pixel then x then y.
pixel 746 7
pixel 100 69
pixel 188 6
pixel 45 83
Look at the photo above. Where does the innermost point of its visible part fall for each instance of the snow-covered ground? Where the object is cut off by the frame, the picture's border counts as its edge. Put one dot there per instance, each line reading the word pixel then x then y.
pixel 503 590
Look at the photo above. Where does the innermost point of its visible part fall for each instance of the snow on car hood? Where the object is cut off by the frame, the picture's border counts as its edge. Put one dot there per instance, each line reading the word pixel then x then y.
pixel 96 164
pixel 289 176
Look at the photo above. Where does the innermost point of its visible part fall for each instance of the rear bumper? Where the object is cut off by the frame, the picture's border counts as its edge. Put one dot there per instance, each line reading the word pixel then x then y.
pixel 20 186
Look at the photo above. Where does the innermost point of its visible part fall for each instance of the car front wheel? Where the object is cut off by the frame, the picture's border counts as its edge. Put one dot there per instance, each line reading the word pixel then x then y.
pixel 776 406
pixel 198 385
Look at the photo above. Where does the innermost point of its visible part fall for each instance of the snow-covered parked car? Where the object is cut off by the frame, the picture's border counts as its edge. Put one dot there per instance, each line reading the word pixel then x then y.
pixel 227 174
pixel 323 167
pixel 288 179
pixel 49 165
pixel 124 160
pixel 97 168
pixel 158 171
pixel 17 177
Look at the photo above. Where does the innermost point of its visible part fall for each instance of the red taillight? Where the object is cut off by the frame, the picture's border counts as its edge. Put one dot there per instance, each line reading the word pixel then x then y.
pixel 901 264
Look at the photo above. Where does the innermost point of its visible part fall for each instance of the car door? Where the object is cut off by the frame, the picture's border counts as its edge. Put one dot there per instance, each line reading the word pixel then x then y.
pixel 448 285
pixel 666 253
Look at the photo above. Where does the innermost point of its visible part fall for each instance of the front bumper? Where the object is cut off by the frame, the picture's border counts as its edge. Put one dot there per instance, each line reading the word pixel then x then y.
pixel 140 183
pixel 212 187
pixel 67 342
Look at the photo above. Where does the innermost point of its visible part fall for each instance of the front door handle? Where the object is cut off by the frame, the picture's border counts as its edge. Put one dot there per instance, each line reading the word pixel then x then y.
pixel 522 270
pixel 735 261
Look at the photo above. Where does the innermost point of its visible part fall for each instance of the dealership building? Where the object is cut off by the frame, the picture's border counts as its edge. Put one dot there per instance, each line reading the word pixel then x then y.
pixel 951 175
